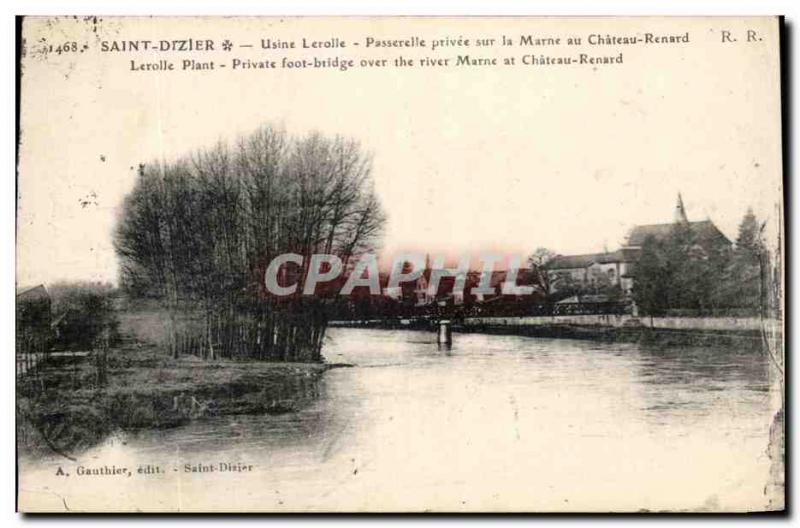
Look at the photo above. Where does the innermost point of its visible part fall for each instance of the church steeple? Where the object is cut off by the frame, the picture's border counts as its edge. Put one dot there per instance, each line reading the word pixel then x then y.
pixel 680 212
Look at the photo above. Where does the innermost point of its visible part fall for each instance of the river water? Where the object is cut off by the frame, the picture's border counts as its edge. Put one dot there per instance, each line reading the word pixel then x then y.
pixel 496 423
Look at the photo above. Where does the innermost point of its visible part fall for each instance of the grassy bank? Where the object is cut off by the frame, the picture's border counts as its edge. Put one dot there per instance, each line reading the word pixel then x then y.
pixel 627 334
pixel 665 337
pixel 72 404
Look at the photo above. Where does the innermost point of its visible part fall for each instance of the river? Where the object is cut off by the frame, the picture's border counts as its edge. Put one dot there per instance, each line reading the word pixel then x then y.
pixel 496 423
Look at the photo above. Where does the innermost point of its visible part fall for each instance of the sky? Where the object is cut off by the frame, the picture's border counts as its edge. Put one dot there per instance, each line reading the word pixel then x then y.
pixel 465 159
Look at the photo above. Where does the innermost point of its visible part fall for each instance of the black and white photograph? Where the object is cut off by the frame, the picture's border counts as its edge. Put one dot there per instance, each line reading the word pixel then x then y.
pixel 378 264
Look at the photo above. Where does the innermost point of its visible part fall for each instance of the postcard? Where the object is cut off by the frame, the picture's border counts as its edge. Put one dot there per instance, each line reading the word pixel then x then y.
pixel 400 264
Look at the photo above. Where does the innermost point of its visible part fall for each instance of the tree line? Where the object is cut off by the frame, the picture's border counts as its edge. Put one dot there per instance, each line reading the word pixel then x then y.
pixel 678 274
pixel 670 275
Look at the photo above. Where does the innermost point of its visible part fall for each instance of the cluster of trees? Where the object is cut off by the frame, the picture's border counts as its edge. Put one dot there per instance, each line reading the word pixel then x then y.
pixel 681 274
pixel 197 233
pixel 84 314
pixel 673 274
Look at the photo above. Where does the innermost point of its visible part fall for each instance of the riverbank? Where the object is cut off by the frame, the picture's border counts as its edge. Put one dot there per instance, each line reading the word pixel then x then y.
pixel 660 336
pixel 672 331
pixel 74 404
pixel 667 331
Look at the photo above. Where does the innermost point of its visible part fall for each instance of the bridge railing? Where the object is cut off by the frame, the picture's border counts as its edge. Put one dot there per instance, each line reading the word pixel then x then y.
pixel 550 310
pixel 599 308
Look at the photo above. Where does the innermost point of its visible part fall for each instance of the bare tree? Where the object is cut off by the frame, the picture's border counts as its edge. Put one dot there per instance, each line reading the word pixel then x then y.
pixel 197 233
pixel 538 265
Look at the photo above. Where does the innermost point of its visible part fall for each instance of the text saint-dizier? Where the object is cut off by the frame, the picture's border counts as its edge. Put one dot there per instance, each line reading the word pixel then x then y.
pixel 157 45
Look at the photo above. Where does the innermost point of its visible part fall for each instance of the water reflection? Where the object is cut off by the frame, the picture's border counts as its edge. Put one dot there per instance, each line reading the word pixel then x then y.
pixel 706 367
pixel 496 422
pixel 683 385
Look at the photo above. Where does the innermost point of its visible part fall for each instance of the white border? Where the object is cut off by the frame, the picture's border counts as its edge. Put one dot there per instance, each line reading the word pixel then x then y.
pixel 789 8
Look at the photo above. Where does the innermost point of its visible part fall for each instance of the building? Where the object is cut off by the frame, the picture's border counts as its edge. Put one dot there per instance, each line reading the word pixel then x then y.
pixel 593 270
pixel 616 268
pixel 33 311
pixel 414 293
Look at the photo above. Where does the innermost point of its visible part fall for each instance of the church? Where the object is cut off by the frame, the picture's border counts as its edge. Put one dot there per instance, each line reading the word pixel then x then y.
pixel 616 268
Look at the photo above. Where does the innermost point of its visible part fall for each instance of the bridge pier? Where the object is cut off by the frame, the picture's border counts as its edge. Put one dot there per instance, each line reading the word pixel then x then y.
pixel 444 336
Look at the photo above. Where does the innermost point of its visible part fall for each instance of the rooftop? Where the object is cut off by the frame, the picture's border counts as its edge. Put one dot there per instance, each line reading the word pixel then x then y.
pixel 583 261
pixel 705 229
